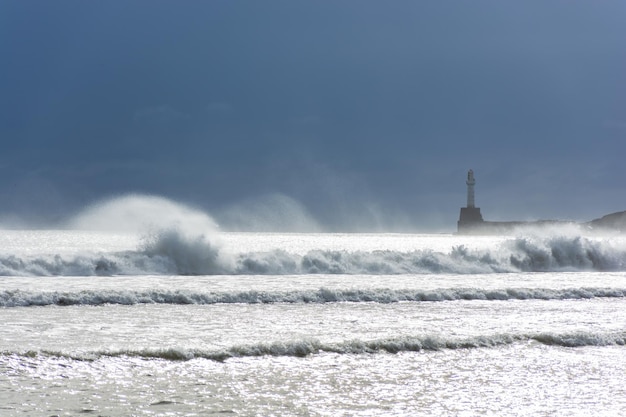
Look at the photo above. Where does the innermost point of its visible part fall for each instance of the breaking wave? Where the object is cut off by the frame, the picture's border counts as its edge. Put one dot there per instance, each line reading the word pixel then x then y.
pixel 306 347
pixel 172 251
pixel 18 298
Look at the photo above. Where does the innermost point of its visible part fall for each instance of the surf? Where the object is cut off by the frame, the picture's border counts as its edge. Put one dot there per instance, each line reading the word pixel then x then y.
pixel 21 298
pixel 310 346
pixel 173 251
pixel 171 238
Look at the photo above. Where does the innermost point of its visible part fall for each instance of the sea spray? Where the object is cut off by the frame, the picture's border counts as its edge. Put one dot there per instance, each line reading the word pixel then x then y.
pixel 139 213
pixel 175 238
pixel 186 254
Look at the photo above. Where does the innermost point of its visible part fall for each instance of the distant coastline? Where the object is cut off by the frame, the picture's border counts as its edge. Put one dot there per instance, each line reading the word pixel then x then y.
pixel 614 223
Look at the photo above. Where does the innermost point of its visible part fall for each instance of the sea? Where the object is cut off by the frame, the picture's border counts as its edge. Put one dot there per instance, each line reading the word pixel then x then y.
pixel 187 320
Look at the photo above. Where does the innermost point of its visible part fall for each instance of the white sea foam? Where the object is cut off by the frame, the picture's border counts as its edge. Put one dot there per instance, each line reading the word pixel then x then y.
pixel 175 251
pixel 306 347
pixel 18 298
pixel 181 240
pixel 184 253
pixel 176 239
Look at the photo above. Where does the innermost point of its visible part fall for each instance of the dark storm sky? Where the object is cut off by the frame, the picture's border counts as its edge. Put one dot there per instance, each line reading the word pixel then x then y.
pixel 349 114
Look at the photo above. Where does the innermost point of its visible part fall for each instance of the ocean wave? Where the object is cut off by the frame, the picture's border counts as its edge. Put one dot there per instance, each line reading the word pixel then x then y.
pixel 171 252
pixel 306 347
pixel 19 298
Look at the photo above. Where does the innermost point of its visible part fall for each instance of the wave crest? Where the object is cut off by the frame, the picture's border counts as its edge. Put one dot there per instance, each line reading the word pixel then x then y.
pixel 306 347
pixel 186 254
pixel 18 298
pixel 175 251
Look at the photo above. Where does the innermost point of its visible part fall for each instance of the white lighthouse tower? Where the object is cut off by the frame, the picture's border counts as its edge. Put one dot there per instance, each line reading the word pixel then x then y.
pixel 470 220
pixel 470 188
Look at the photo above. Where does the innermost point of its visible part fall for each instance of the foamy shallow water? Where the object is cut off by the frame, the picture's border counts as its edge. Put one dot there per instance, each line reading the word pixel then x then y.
pixel 343 336
pixel 512 381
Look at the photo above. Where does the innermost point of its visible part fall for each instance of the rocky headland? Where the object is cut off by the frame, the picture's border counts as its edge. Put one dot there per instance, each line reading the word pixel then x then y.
pixel 614 222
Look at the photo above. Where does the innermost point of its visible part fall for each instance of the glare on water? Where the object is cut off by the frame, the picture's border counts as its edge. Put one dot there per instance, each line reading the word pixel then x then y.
pixel 432 343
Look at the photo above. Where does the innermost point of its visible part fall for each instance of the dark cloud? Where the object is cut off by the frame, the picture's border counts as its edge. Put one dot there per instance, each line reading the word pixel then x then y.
pixel 359 112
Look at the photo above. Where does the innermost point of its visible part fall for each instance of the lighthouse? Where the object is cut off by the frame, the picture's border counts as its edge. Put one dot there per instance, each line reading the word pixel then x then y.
pixel 470 218
pixel 470 188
